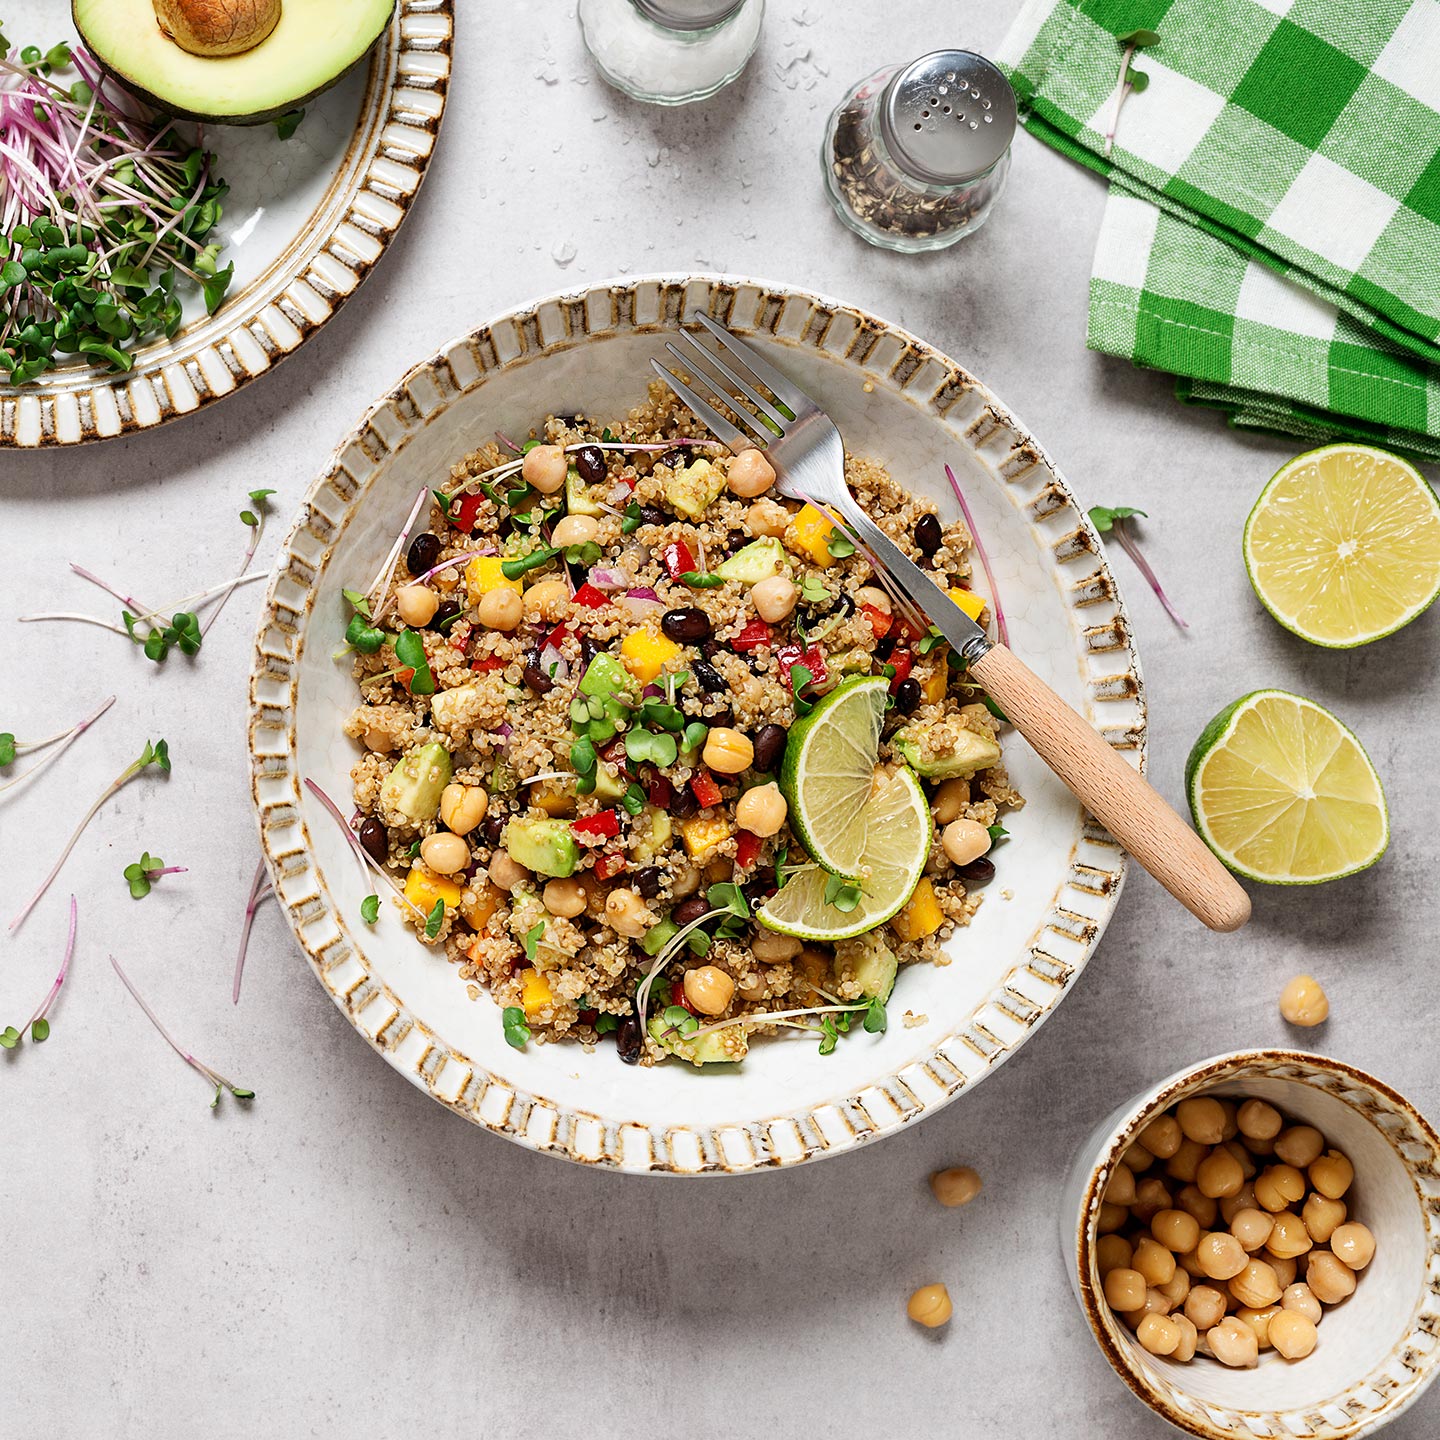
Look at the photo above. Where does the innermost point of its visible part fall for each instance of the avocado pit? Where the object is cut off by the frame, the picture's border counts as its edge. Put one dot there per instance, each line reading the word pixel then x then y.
pixel 216 28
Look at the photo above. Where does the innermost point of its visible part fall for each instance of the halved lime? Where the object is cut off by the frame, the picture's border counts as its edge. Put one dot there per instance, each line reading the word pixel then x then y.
pixel 889 869
pixel 1343 545
pixel 1284 793
pixel 828 770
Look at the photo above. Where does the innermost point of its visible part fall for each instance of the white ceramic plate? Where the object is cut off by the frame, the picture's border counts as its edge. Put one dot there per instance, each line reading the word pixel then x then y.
pixel 305 222
pixel 895 399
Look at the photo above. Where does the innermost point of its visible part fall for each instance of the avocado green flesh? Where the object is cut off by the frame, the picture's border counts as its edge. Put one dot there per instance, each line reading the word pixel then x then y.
pixel 314 44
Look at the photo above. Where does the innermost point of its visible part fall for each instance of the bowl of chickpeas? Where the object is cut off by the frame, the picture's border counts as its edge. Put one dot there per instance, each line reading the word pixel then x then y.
pixel 1255 1243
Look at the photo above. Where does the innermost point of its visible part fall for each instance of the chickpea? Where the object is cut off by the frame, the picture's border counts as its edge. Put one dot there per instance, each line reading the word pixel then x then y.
pixel 1256 1286
pixel 1354 1244
pixel 1330 1280
pixel 1155 1304
pixel 444 853
pixel 1151 1197
pixel 1258 1121
pixel 1137 1157
pixel 1278 1186
pixel 930 1306
pixel 1252 1228
pixel 1221 1255
pixel 550 599
pixel 1202 1207
pixel 500 609
pixel 625 913
pixel 575 530
pixel 1162 1135
pixel 766 517
pixel 1292 1334
pixel 1259 1321
pixel 728 751
pixel 1301 1299
pixel 964 841
pixel 1285 1270
pixel 382 742
pixel 545 467
pixel 1205 1307
pixel 874 597
pixel 753 987
pixel 1303 1002
pixel 1189 1262
pixel 1111 1218
pixel 773 949
pixel 505 873
pixel 708 989
pixel 1289 1239
pixel 1331 1174
pixel 1154 1262
pixel 761 810
pixel 950 798
pixel 1176 1230
pixel 416 604
pixel 1112 1252
pixel 1177 1288
pixel 1125 1289
pixel 1184 1164
pixel 1219 1174
pixel 1322 1217
pixel 1121 1189
pixel 749 474
pixel 565 898
pixel 1241 1156
pixel 1258 1147
pixel 957 1186
pixel 1185 1350
pixel 1232 1342
pixel 1158 1334
pixel 463 807
pixel 774 598
pixel 1202 1119
pixel 1300 1146
pixel 685 881
pixel 1242 1199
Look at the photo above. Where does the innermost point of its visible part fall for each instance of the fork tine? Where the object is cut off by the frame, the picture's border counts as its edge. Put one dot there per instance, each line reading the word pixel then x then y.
pixel 717 424
pixel 768 412
pixel 771 378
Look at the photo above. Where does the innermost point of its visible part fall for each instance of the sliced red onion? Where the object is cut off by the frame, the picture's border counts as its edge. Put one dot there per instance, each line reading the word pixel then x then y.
pixel 1000 627
pixel 642 592
pixel 603 578
pixel 552 663
pixel 640 603
pixel 618 491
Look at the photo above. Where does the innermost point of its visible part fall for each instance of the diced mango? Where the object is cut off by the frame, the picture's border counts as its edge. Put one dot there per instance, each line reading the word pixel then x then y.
pixel 535 993
pixel 701 836
pixel 423 890
pixel 554 797
pixel 483 574
pixel 932 686
pixel 809 535
pixel 971 603
pixel 477 911
pixel 921 916
pixel 645 654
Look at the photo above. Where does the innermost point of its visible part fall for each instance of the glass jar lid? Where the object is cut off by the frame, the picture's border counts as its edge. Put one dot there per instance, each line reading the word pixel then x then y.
pixel 687 14
pixel 948 116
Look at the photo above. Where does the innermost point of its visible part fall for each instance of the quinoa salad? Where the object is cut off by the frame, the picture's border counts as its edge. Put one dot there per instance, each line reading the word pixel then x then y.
pixel 584 673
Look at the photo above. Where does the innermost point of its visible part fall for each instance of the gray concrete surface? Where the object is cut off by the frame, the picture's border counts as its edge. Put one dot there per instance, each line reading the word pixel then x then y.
pixel 348 1260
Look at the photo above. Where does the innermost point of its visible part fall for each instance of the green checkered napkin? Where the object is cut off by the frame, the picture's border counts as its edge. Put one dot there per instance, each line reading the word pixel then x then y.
pixel 1273 230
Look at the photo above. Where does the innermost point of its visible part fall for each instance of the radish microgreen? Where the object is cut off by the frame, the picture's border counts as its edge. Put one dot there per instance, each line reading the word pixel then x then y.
pixel 288 123
pixel 1112 520
pixel 435 919
pixel 410 652
pixel 1001 628
pixel 531 942
pixel 840 546
pixel 1131 81
pixel 145 871
pixel 10 747
pixel 260 890
pixel 370 909
pixel 517 1032
pixel 38 1024
pixel 843 894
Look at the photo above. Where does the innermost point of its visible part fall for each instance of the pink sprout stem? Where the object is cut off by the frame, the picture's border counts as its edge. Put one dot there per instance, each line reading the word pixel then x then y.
pixel 68 736
pixel 368 861
pixel 260 891
pixel 49 1000
pixel 1127 543
pixel 255 533
pixel 1001 628
pixel 508 443
pixel 197 1065
pixel 376 592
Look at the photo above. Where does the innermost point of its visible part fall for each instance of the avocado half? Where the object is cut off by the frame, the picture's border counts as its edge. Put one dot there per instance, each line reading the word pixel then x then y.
pixel 312 46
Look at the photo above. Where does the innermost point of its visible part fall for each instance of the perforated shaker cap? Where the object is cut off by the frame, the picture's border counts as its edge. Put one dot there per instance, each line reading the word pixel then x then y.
pixel 687 14
pixel 948 116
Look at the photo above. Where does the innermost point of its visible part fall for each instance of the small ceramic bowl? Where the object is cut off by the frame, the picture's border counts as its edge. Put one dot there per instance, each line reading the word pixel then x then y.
pixel 1380 1348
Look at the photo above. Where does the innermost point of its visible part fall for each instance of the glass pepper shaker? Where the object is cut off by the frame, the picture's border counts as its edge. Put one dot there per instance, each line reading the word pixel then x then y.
pixel 670 52
pixel 915 156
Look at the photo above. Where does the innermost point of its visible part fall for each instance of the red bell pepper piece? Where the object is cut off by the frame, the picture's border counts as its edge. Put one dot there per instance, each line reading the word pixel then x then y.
pixel 608 866
pixel 658 790
pixel 747 850
pixel 678 558
pixel 880 622
pixel 591 598
pixel 614 752
pixel 465 511
pixel 603 825
pixel 707 792
pixel 904 662
pixel 557 636
pixel 752 637
pixel 587 1016
pixel 812 658
pixel 487 662
pixel 677 993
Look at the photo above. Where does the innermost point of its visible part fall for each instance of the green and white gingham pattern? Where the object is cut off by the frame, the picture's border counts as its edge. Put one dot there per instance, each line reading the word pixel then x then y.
pixel 1295 138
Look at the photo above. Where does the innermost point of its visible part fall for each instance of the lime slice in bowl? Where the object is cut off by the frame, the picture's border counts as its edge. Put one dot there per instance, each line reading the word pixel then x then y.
pixel 1343 545
pixel 1284 793
pixel 889 868
pixel 828 772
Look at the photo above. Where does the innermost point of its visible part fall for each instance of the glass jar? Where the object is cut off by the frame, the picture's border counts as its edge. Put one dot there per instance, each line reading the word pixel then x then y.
pixel 670 52
pixel 916 155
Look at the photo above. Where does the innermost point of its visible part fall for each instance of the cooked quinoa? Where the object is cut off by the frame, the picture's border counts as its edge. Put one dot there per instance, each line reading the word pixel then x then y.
pixel 542 886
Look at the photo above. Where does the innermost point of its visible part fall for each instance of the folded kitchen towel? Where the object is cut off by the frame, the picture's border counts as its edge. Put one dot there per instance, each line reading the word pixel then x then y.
pixel 1273 231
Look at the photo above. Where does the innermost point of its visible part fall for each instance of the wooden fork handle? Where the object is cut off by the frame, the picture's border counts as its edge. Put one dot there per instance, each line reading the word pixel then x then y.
pixel 1129 807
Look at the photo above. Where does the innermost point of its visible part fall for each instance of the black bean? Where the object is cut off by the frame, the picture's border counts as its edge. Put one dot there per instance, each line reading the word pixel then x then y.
pixel 589 460
pixel 907 696
pixel 978 872
pixel 760 885
pixel 589 649
pixel 676 459
pixel 569 421
pixel 689 625
pixel 448 611
pixel 684 805
pixel 653 515
pixel 884 649
pixel 423 554
pixel 710 680
pixel 537 679
pixel 506 527
pixel 647 882
pixel 688 911
pixel 770 747
pixel 628 1041
pixel 845 604
pixel 494 828
pixel 927 534
pixel 373 840
pixel 736 540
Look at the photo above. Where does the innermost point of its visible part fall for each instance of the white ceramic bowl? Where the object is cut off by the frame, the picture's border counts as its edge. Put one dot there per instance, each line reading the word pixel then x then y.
pixel 1378 1350
pixel 895 399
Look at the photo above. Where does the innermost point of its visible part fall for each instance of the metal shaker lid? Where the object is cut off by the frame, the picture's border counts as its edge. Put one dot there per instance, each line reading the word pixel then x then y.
pixel 948 116
pixel 687 14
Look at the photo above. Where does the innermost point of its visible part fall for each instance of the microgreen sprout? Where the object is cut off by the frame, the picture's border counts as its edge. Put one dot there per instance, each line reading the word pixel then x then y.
pixel 145 871
pixel 375 594
pixel 725 900
pixel 632 518
pixel 840 545
pixel 997 833
pixel 1131 81
pixel 157 754
pixel 844 895
pixel 260 891
pixel 813 591
pixel 214 1077
pixel 434 920
pixel 800 677
pixel 367 861
pixel 1001 629
pixel 531 942
pixel 39 1024
pixel 10 747
pixel 370 909
pixel 1112 521
pixel 837 1021
pixel 517 1032
pixel 288 123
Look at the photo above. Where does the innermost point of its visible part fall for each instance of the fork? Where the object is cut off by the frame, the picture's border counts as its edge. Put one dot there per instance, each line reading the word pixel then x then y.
pixel 801 442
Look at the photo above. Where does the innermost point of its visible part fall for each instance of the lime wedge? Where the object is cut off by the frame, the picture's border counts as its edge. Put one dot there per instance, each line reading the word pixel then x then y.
pixel 828 771
pixel 1282 792
pixel 889 869
pixel 1343 545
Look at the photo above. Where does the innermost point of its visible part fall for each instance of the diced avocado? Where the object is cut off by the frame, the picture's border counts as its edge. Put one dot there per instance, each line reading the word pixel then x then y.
pixel 580 498
pixel 656 840
pixel 609 785
pixel 870 962
pixel 945 748
pixel 757 561
pixel 545 846
pixel 717 1048
pixel 413 787
pixel 689 492
pixel 658 936
pixel 605 676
